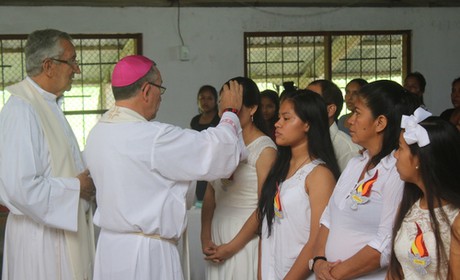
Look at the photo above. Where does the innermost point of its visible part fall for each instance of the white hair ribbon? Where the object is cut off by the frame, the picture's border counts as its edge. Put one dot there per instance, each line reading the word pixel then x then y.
pixel 415 133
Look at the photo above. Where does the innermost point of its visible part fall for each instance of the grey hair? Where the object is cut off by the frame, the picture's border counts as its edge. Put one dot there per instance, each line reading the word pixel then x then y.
pixel 43 44
pixel 126 92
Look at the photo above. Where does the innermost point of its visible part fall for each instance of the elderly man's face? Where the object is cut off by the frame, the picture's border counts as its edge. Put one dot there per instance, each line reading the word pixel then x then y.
pixel 64 72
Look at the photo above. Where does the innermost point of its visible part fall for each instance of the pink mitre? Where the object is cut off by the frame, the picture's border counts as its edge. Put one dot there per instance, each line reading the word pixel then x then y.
pixel 130 69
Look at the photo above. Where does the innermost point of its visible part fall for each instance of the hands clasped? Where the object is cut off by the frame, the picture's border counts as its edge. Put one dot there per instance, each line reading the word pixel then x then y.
pixel 217 254
pixel 323 270
pixel 87 189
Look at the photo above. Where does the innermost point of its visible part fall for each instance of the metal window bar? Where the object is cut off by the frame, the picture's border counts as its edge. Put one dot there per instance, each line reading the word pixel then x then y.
pixel 76 107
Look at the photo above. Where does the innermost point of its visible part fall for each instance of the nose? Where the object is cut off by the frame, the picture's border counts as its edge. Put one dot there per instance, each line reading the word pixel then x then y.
pixel 76 68
pixel 350 119
pixel 278 124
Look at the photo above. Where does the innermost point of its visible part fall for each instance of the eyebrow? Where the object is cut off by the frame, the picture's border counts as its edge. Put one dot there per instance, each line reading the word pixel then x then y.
pixel 284 113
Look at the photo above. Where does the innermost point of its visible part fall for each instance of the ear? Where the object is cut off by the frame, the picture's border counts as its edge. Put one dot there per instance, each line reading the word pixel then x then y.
pixel 48 67
pixel 331 109
pixel 253 110
pixel 144 92
pixel 381 122
pixel 306 127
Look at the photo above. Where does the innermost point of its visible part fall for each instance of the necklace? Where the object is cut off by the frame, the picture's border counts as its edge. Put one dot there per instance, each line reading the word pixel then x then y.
pixel 298 167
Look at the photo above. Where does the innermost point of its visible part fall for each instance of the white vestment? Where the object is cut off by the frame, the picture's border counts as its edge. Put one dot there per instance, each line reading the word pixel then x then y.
pixel 36 143
pixel 142 171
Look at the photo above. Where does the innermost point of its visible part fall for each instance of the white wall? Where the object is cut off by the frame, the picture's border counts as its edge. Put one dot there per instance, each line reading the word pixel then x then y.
pixel 215 40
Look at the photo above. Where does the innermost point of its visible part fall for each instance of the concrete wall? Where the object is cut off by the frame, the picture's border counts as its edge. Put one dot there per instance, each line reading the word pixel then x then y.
pixel 215 39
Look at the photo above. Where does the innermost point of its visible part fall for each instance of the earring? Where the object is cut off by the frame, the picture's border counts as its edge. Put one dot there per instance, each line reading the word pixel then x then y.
pixel 252 118
pixel 416 167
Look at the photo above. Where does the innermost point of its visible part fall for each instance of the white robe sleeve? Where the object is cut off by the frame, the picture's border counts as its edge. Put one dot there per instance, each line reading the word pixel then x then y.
pixel 185 154
pixel 392 194
pixel 26 184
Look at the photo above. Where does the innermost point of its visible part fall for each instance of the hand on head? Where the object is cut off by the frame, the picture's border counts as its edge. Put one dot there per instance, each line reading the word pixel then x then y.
pixel 231 96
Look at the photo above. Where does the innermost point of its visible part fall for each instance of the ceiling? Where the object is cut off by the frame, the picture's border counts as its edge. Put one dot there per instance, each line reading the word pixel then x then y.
pixel 235 3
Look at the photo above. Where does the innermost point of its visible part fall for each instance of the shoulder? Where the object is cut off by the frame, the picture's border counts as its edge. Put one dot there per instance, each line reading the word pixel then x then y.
pixel 320 180
pixel 456 227
pixel 265 142
pixel 446 114
pixel 195 119
pixel 264 150
pixel 320 174
pixel 18 110
pixel 215 121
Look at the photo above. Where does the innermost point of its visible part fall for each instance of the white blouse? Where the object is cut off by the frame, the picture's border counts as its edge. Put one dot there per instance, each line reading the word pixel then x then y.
pixel 415 244
pixel 359 216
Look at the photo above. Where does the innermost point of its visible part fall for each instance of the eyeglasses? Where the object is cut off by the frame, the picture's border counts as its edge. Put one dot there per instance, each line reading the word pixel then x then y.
pixel 70 62
pixel 162 89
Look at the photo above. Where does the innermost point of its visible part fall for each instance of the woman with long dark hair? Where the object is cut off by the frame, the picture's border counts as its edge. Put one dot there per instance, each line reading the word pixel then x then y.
pixel 297 188
pixel 295 192
pixel 355 235
pixel 228 203
pixel 426 235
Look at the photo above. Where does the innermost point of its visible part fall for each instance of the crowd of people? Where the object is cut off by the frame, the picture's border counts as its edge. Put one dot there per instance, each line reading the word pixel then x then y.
pixel 289 189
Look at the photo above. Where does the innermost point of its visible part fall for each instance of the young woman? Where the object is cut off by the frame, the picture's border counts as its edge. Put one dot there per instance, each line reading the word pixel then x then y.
pixel 207 106
pixel 208 117
pixel 228 203
pixel 355 235
pixel 426 236
pixel 295 192
pixel 297 188
pixel 269 101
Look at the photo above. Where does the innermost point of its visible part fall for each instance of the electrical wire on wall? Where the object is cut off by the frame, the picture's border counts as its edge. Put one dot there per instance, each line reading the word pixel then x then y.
pixel 184 53
pixel 344 4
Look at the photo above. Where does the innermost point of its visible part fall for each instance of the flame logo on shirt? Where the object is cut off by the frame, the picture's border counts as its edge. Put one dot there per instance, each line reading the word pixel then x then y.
pixel 418 253
pixel 418 246
pixel 362 192
pixel 277 203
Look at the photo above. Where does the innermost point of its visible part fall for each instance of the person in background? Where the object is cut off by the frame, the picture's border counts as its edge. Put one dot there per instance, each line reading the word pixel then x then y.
pixel 354 241
pixel 288 86
pixel 455 98
pixel 344 148
pixel 270 105
pixel 143 170
pixel 208 117
pixel 43 181
pixel 455 118
pixel 426 235
pixel 351 89
pixel 415 83
pixel 229 203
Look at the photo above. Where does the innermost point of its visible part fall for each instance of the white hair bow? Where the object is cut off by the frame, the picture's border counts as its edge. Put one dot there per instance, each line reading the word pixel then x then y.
pixel 415 133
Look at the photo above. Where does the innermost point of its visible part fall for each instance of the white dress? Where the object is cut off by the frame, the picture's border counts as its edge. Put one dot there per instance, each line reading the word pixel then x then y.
pixel 290 233
pixel 414 256
pixel 236 200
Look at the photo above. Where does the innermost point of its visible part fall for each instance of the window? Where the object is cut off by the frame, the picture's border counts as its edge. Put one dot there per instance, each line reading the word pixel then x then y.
pixel 91 93
pixel 301 57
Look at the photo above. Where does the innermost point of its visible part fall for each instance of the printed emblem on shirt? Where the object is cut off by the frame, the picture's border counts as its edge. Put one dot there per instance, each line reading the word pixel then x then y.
pixel 418 254
pixel 361 194
pixel 277 203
